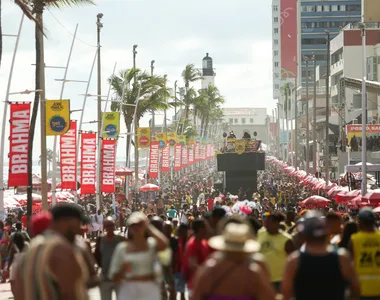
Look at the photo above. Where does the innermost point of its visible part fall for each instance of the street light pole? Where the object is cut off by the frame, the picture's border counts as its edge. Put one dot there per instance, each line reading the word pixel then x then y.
pixel 153 114
pixel 364 110
pixel 315 117
pixel 307 117
pixel 136 124
pixel 166 100
pixel 327 153
pixel 99 26
pixel 296 126
pixel 175 101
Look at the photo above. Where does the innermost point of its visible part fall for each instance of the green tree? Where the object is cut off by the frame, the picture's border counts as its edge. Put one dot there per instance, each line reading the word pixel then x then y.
pixel 189 75
pixel 208 107
pixel 34 9
pixel 150 93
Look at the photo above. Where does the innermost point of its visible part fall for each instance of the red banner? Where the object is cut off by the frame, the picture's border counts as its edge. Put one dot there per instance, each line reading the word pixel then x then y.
pixel 197 152
pixel 191 155
pixel 68 158
pixel 18 144
pixel 165 161
pixel 153 159
pixel 202 153
pixel 184 157
pixel 88 163
pixel 108 166
pixel 177 157
pixel 288 22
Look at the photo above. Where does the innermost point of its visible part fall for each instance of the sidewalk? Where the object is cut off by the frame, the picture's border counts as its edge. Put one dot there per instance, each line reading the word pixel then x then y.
pixel 5 291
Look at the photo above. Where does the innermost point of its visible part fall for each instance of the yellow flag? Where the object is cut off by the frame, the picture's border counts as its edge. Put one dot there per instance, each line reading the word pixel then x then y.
pixel 143 137
pixel 57 116
pixel 172 138
pixel 161 139
pixel 111 124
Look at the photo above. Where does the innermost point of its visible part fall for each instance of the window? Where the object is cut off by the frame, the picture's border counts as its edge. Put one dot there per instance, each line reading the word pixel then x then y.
pixel 276 64
pixel 231 121
pixel 319 7
pixel 334 7
pixel 326 7
pixel 251 120
pixel 276 75
pixel 275 53
pixel 304 8
pixel 276 86
pixel 275 42
pixel 352 7
pixel 236 121
pixel 243 120
pixel 275 7
pixel 342 7
pixel 275 19
pixel 275 30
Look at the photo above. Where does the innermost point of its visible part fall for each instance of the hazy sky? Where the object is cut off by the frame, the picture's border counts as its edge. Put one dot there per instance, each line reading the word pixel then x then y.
pixel 237 34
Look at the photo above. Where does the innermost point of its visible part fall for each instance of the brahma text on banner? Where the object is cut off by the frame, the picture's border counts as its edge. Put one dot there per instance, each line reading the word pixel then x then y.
pixel 88 163
pixel 18 144
pixel 108 161
pixel 153 159
pixel 68 158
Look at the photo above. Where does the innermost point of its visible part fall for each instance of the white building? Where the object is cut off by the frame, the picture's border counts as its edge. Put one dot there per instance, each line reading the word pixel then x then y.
pixel 276 49
pixel 247 119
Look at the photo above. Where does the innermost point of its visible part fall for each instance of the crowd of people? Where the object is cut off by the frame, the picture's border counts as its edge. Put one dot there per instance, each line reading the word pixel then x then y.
pixel 195 242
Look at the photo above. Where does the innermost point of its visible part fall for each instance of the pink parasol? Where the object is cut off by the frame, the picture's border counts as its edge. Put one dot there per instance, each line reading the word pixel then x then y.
pixel 317 201
pixel 149 188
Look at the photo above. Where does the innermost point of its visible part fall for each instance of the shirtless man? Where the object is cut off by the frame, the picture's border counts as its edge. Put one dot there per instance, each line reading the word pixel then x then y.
pixel 61 271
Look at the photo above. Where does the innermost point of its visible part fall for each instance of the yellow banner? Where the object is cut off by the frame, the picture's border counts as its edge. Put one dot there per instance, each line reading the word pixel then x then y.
pixel 182 140
pixel 143 137
pixel 57 116
pixel 172 138
pixel 111 124
pixel 161 139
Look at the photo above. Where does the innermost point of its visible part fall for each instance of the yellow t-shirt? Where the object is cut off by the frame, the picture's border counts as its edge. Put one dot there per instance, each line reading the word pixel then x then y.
pixel 273 249
pixel 366 247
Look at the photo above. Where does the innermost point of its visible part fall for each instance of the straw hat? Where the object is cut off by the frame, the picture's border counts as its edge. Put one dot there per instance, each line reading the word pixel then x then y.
pixel 235 238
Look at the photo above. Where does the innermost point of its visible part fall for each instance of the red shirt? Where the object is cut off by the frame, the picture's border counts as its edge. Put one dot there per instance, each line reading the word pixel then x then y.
pixel 210 204
pixel 198 249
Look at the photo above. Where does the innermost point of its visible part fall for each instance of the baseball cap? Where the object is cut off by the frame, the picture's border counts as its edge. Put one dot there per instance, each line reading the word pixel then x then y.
pixel 313 225
pixel 366 215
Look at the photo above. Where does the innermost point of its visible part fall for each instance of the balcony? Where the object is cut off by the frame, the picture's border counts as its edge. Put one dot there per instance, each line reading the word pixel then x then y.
pixel 337 67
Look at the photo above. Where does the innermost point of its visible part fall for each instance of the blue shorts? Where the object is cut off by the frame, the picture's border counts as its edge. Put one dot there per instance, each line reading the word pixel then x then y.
pixel 179 283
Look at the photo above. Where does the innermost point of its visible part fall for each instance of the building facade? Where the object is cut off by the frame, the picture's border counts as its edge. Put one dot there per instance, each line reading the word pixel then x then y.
pixel 315 18
pixel 247 119
pixel 276 49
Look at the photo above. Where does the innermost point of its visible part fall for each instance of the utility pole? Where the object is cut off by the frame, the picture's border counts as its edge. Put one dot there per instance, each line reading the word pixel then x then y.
pixel 165 121
pixel 153 114
pixel 327 151
pixel 175 102
pixel 136 124
pixel 278 129
pixel 364 108
pixel 307 117
pixel 99 26
pixel 315 117
pixel 296 126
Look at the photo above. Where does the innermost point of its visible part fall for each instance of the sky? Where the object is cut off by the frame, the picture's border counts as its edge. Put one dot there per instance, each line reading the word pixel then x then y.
pixel 174 33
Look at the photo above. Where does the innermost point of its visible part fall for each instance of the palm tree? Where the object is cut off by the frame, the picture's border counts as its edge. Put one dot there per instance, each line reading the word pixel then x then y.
pixel 34 9
pixel 209 106
pixel 150 94
pixel 189 75
pixel 285 90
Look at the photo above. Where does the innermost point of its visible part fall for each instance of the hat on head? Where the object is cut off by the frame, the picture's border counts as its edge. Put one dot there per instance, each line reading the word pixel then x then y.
pixel 235 238
pixel 366 215
pixel 136 217
pixel 313 225
pixel 67 210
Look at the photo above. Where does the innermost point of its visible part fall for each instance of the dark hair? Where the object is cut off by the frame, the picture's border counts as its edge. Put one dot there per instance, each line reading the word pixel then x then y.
pixel 332 216
pixel 256 226
pixel 276 217
pixel 197 225
pixel 349 229
pixel 19 240
pixel 18 226
pixel 218 213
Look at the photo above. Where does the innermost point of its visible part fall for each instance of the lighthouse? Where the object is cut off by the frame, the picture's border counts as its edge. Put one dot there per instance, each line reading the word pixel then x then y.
pixel 208 73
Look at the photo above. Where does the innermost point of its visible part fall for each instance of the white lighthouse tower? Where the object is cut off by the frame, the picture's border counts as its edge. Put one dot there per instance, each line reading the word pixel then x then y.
pixel 208 73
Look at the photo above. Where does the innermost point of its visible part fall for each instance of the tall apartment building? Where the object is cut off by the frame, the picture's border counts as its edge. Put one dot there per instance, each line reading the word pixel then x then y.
pixel 314 18
pixel 276 50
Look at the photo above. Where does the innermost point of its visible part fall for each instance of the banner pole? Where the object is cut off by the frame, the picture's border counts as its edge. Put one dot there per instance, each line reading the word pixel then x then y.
pixel 54 156
pixel 4 125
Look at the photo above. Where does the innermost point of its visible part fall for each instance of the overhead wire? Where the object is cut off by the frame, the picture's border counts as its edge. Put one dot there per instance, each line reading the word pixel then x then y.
pixel 69 32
